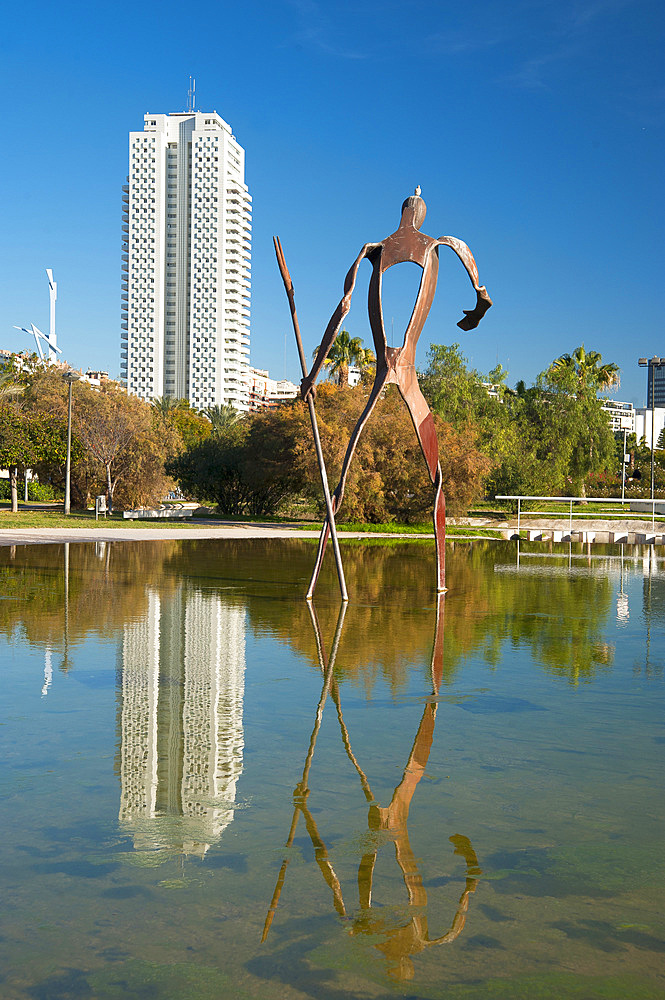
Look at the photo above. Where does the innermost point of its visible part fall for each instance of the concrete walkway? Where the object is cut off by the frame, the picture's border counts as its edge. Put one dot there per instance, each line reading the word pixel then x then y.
pixel 152 532
pixel 202 529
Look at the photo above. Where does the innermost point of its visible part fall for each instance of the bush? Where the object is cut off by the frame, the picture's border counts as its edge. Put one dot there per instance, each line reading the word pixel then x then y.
pixel 39 492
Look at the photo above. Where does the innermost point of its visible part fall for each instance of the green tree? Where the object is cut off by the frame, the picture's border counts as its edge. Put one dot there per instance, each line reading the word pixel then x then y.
pixel 121 443
pixel 452 389
pixel 186 426
pixel 166 405
pixel 17 445
pixel 347 352
pixel 32 436
pixel 251 466
pixel 222 416
pixel 583 372
pixel 571 385
pixel 213 471
pixel 457 394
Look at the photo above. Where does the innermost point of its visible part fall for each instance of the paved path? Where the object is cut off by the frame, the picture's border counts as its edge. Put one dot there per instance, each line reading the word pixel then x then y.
pixel 210 529
pixel 221 530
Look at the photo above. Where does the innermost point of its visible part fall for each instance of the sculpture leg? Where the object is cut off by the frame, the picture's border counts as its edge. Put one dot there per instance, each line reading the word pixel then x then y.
pixel 337 496
pixel 423 422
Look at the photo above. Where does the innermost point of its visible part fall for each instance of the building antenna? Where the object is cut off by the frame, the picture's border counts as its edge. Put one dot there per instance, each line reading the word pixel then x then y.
pixel 191 94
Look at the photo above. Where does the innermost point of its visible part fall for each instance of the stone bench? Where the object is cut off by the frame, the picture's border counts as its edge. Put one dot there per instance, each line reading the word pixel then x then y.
pixel 148 513
pixel 647 538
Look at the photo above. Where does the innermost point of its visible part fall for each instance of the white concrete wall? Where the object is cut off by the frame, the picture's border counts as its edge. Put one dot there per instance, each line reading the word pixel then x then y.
pixel 643 423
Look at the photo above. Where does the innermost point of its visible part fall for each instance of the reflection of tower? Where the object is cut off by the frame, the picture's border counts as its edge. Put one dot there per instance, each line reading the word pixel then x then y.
pixel 181 738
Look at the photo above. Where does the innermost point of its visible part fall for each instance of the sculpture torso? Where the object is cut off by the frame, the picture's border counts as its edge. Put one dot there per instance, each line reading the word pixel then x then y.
pixel 407 245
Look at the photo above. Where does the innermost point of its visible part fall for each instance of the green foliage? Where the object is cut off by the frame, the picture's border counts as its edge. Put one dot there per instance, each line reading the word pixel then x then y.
pixel 18 434
pixel 267 460
pixel 37 492
pixel 212 472
pixel 117 447
pixel 26 439
pixel 582 372
pixel 182 426
pixel 348 351
pixel 222 417
pixel 548 439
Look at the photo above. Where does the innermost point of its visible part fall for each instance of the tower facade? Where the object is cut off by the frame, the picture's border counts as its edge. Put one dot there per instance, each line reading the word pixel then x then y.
pixel 186 262
pixel 656 385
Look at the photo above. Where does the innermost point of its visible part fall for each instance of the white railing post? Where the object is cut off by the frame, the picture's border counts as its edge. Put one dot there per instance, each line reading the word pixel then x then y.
pixel 519 511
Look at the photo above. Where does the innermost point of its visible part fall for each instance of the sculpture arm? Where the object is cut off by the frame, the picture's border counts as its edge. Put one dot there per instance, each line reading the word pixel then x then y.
pixel 336 321
pixel 472 317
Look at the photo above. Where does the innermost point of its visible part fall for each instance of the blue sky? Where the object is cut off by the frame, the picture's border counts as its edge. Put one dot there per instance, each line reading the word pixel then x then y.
pixel 534 127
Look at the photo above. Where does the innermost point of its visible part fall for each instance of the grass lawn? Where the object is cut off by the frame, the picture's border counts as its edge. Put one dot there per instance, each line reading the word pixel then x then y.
pixel 27 518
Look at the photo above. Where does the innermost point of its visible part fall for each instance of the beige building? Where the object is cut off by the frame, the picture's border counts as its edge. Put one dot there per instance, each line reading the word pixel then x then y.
pixel 266 391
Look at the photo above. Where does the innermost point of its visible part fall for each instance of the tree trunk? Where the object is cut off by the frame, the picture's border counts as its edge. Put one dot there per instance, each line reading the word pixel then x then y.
pixel 13 487
pixel 109 489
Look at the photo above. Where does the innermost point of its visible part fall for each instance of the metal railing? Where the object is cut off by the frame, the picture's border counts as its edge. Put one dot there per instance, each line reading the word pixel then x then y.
pixel 585 500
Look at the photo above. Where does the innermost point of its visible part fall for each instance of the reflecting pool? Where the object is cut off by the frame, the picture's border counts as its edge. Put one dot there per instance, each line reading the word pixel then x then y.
pixel 211 790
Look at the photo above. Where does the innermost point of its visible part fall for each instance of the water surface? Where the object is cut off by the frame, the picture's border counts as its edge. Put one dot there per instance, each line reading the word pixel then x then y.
pixel 209 791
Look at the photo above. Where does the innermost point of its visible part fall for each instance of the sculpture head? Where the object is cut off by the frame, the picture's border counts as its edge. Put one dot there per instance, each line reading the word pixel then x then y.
pixel 414 210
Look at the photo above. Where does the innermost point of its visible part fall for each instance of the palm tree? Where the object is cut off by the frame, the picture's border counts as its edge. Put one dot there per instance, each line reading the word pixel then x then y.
pixel 585 370
pixel 346 352
pixel 164 405
pixel 222 416
pixel 583 374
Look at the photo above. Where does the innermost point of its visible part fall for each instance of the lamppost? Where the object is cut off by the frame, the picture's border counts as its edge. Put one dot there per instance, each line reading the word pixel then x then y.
pixel 69 377
pixel 652 364
pixel 626 424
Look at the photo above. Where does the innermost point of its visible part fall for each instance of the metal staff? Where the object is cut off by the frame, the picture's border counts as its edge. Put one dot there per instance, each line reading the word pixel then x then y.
pixel 288 285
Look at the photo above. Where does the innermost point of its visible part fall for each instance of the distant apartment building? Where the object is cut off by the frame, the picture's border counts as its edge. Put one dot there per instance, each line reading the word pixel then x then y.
pixel 656 385
pixel 186 262
pixel 644 419
pixel 265 391
pixel 621 415
pixel 95 378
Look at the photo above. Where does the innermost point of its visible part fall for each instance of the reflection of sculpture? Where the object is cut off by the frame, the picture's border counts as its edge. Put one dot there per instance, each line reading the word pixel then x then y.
pixel 397 941
pixel 397 364
pixel 181 741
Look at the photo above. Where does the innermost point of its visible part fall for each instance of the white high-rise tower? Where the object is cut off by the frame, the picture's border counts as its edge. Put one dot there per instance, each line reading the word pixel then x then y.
pixel 186 262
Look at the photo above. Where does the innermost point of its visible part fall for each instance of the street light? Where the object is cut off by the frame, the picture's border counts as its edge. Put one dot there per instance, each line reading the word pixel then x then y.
pixel 652 364
pixel 69 377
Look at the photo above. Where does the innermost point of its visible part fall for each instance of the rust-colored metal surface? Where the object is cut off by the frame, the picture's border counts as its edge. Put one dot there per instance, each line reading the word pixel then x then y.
pixel 397 365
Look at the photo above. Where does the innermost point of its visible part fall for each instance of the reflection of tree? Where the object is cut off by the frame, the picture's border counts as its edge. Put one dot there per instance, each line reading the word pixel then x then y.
pixel 559 616
pixel 106 587
pixel 398 938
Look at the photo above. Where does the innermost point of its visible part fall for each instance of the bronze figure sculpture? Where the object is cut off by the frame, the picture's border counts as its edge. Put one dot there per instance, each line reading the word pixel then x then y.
pixel 397 364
